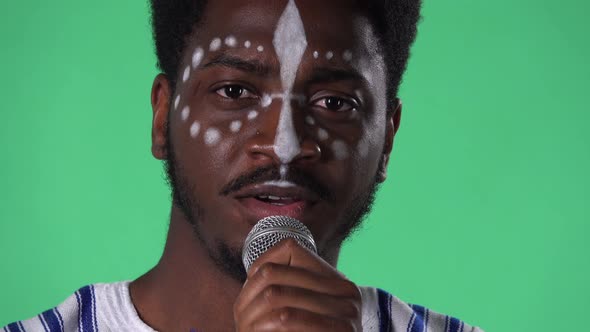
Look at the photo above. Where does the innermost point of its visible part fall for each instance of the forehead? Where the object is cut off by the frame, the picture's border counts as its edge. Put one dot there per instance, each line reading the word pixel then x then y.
pixel 336 36
pixel 328 24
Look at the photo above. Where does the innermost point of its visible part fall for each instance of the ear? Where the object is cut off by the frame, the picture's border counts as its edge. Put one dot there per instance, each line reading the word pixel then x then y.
pixel 160 98
pixel 393 118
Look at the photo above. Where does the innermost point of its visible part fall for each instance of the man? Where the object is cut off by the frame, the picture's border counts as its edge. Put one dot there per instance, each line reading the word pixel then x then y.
pixel 265 108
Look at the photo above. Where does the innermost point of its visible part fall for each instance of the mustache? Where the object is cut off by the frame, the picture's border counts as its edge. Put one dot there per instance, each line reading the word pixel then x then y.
pixel 272 173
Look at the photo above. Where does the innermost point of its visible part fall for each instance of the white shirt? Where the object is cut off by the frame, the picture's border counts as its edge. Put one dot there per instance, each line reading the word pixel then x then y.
pixel 108 307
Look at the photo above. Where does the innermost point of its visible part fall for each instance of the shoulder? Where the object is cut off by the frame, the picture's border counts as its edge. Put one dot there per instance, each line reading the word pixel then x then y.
pixel 91 308
pixel 383 312
pixel 76 310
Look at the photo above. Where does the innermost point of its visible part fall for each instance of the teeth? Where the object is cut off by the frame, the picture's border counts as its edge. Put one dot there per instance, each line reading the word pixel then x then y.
pixel 272 198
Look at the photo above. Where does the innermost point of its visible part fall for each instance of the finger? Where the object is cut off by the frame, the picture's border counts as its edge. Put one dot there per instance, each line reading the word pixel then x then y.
pixel 289 252
pixel 276 274
pixel 274 297
pixel 291 319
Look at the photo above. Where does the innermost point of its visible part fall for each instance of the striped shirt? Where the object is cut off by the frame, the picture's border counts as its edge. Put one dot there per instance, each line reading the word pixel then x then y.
pixel 108 307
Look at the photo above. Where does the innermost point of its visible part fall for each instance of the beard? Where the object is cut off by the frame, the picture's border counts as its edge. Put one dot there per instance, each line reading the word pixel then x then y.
pixel 229 259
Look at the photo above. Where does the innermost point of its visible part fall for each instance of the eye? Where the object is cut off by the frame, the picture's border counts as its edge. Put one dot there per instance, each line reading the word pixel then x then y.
pixel 234 91
pixel 335 104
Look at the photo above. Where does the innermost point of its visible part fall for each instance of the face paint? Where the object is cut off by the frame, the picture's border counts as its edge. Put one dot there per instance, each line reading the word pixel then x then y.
pixel 187 73
pixel 231 41
pixel 340 150
pixel 283 171
pixel 197 57
pixel 195 128
pixel 363 147
pixel 252 115
pixel 347 55
pixel 215 44
pixel 266 100
pixel 185 113
pixel 290 43
pixel 176 102
pixel 212 136
pixel 323 134
pixel 235 126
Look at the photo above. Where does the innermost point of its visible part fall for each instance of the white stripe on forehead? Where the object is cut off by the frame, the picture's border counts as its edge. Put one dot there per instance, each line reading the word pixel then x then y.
pixel 290 43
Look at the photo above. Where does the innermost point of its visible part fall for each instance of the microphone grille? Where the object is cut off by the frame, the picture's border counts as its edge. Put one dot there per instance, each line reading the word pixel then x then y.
pixel 271 230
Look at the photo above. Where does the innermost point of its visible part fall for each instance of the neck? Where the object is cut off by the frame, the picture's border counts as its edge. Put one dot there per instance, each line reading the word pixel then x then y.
pixel 185 289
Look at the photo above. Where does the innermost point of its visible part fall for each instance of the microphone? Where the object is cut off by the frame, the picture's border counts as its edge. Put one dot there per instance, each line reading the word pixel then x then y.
pixel 271 230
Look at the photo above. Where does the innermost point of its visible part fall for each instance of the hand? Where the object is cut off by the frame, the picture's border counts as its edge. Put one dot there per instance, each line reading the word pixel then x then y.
pixel 289 288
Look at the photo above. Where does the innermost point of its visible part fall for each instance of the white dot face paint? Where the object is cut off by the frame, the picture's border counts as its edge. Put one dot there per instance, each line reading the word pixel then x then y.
pixel 363 147
pixel 187 73
pixel 215 44
pixel 340 150
pixel 329 55
pixel 247 44
pixel 235 126
pixel 212 136
pixel 176 102
pixel 309 120
pixel 283 170
pixel 197 57
pixel 185 113
pixel 323 134
pixel 252 115
pixel 260 48
pixel 347 55
pixel 266 100
pixel 195 128
pixel 290 43
pixel 316 54
pixel 231 41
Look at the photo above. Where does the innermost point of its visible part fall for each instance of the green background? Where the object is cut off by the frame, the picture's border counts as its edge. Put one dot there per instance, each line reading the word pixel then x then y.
pixel 484 215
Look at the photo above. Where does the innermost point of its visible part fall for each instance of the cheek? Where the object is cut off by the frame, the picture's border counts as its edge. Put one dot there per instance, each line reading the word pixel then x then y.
pixel 369 150
pixel 340 142
pixel 209 139
pixel 359 151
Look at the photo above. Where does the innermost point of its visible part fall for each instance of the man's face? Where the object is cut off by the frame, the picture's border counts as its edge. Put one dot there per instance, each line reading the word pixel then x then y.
pixel 279 109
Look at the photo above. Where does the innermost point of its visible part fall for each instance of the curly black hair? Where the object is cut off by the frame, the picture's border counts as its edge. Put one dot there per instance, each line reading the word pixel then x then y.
pixel 394 21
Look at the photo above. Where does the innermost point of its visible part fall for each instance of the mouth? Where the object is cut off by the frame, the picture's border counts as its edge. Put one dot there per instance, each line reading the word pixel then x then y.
pixel 268 199
pixel 277 200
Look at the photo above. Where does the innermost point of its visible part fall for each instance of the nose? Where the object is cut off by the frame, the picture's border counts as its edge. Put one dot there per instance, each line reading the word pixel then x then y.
pixel 282 136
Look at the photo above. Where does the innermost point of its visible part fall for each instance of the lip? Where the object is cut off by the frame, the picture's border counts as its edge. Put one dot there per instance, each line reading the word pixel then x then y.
pixel 298 201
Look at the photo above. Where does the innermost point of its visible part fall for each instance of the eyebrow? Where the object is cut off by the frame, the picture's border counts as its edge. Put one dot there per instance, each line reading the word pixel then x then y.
pixel 256 67
pixel 230 61
pixel 326 75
